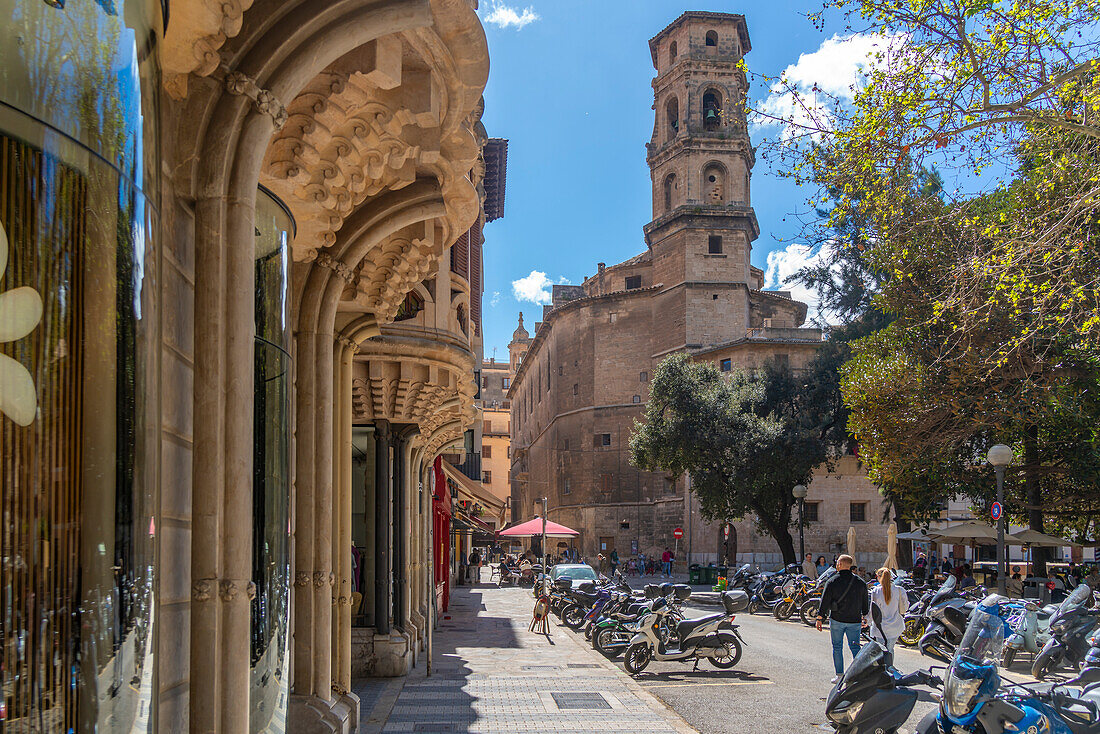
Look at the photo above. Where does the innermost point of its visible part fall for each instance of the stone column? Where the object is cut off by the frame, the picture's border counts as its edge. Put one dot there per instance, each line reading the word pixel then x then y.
pixel 383 509
pixel 399 535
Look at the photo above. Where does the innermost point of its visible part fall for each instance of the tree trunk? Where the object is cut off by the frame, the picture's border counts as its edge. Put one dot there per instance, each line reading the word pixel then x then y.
pixel 905 549
pixel 731 545
pixel 779 529
pixel 1034 496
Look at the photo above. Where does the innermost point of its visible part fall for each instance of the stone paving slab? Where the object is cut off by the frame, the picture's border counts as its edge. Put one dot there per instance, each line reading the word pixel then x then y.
pixel 490 675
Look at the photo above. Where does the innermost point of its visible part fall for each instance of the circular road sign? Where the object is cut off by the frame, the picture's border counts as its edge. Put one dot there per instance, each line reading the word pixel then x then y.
pixel 996 510
pixel 678 533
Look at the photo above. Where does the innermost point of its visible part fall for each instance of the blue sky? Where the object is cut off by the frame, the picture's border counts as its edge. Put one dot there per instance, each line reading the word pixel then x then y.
pixel 570 89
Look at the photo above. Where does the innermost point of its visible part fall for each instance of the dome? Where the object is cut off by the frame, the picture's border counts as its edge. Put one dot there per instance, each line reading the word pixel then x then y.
pixel 520 334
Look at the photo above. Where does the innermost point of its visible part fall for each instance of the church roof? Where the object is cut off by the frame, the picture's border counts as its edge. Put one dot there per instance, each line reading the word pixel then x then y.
pixel 742 29
pixel 520 334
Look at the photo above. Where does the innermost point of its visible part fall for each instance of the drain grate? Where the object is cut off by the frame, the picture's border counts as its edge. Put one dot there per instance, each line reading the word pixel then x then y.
pixel 582 665
pixel 540 667
pixel 434 727
pixel 580 701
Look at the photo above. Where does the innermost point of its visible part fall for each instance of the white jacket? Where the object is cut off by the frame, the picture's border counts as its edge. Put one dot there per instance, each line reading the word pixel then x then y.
pixel 893 614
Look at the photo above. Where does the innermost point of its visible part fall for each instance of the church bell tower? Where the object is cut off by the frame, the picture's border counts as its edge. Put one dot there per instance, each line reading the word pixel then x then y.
pixel 700 160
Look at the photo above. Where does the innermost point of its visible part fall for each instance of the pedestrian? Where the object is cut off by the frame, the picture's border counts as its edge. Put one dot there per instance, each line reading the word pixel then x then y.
pixel 1093 579
pixel 809 568
pixel 967 581
pixel 601 564
pixel 1015 583
pixel 666 563
pixel 890 604
pixel 946 566
pixel 845 604
pixel 614 561
pixel 920 568
pixel 821 565
pixel 475 566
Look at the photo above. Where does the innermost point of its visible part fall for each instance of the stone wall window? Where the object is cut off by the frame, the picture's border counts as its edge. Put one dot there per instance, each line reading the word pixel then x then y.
pixel 486 477
pixel 643 376
pixel 486 427
pixel 506 382
pixel 712 39
pixel 565 445
pixel 858 511
pixel 712 110
pixel 633 282
pixel 560 370
pixel 714 244
pixel 812 511
pixel 672 53
pixel 726 365
pixel 601 439
pixel 636 399
pixel 485 382
pixel 605 483
pixel 565 486
pixel 672 112
pixel 486 451
pixel 669 189
pixel 576 387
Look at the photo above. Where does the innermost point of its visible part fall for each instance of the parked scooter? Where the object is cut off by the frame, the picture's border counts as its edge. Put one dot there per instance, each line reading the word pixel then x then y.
pixel 974 703
pixel 770 589
pixel 713 636
pixel 809 608
pixel 872 696
pixel 948 614
pixel 1070 629
pixel 1030 634
pixel 612 633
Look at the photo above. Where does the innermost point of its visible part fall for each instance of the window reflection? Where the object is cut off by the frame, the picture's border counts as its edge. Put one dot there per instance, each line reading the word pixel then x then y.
pixel 271 468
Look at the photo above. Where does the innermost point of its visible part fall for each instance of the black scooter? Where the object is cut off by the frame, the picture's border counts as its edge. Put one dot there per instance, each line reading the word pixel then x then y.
pixel 872 697
pixel 1070 629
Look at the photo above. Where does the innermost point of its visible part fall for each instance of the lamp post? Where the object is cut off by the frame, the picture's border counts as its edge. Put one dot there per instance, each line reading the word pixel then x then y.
pixel 545 555
pixel 1000 456
pixel 800 493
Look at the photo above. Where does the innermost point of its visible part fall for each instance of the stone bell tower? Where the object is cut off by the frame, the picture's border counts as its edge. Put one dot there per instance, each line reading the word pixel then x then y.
pixel 700 160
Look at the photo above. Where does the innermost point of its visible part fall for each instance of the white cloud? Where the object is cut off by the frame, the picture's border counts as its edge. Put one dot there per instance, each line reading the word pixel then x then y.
pixel 534 287
pixel 809 90
pixel 495 299
pixel 503 15
pixel 782 264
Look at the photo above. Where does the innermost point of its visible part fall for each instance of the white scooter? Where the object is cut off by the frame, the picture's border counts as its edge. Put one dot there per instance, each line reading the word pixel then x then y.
pixel 1032 633
pixel 713 636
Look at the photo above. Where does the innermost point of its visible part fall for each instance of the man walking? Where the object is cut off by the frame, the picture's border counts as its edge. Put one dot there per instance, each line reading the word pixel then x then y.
pixel 666 563
pixel 845 604
pixel 809 568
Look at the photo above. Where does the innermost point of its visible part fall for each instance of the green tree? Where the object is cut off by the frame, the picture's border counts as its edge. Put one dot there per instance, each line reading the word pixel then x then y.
pixel 745 439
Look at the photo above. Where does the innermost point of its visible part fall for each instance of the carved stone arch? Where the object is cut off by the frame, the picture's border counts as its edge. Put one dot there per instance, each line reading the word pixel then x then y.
pixel 460 303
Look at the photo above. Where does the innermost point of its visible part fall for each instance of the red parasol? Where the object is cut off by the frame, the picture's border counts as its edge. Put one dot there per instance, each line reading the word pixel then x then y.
pixel 532 528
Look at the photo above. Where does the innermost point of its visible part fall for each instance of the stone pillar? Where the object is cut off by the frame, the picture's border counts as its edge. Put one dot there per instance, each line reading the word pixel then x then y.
pixel 341 523
pixel 400 574
pixel 382 527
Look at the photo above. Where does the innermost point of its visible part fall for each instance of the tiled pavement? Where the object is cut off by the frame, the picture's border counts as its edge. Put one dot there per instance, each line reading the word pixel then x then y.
pixel 491 675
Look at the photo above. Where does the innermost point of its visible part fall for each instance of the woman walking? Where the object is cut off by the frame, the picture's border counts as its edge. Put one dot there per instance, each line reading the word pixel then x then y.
pixel 888 607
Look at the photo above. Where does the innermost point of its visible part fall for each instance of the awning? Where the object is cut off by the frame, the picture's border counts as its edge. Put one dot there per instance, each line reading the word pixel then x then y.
pixel 474 492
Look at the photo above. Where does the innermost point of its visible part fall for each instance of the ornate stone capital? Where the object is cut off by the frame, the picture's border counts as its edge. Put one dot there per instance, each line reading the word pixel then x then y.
pixel 202 590
pixel 352 345
pixel 328 262
pixel 263 101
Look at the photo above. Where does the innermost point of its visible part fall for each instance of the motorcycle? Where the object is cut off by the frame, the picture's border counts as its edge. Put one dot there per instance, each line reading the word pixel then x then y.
pixel 613 632
pixel 948 614
pixel 872 696
pixel 796 592
pixel 714 637
pixel 809 608
pixel 768 589
pixel 1030 633
pixel 973 702
pixel 1070 629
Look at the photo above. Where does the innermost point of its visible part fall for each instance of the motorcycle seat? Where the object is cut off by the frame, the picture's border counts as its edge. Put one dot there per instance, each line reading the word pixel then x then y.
pixel 686 627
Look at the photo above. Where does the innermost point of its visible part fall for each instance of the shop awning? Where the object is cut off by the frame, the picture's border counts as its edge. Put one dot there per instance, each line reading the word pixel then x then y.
pixel 472 491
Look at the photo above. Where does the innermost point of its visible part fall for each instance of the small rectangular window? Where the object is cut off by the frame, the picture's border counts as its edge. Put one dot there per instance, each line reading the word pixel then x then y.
pixel 633 281
pixel 602 439
pixel 714 244
pixel 485 381
pixel 605 483
pixel 487 478
pixel 643 377
pixel 575 388
pixel 858 511
pixel 509 452
pixel 612 316
pixel 637 399
pixel 565 486
pixel 507 382
pixel 560 370
pixel 507 404
pixel 565 445
pixel 727 365
pixel 811 512
pixel 486 427
pixel 486 451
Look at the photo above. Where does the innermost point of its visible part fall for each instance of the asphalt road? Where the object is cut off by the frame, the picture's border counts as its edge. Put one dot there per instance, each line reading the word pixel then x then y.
pixel 779 687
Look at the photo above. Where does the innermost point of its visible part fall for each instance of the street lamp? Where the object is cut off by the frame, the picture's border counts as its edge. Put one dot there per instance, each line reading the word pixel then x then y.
pixel 1000 456
pixel 545 553
pixel 800 493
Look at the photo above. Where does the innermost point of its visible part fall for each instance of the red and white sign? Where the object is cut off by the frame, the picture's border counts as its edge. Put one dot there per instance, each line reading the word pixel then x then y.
pixel 678 533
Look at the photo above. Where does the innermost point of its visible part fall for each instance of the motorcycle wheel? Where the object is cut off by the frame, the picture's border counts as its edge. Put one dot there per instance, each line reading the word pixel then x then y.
pixel 602 639
pixel 1046 661
pixel 914 630
pixel 754 606
pixel 637 658
pixel 588 632
pixel 572 617
pixel 1008 658
pixel 808 611
pixel 784 610
pixel 732 654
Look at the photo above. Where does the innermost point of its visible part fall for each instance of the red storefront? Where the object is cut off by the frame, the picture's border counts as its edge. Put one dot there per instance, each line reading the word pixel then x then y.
pixel 441 535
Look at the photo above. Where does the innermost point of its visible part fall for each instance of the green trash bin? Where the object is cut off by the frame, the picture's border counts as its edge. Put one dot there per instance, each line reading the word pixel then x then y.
pixel 695 574
pixel 712 575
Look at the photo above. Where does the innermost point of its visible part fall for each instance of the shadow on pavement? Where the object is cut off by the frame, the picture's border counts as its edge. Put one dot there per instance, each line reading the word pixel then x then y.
pixel 670 676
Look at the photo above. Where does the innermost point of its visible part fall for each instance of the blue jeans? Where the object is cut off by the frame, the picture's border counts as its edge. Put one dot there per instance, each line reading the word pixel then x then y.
pixel 838 631
pixel 666 568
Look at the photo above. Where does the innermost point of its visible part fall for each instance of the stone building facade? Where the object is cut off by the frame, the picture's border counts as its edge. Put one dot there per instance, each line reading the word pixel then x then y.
pixel 496 444
pixel 246 322
pixel 583 379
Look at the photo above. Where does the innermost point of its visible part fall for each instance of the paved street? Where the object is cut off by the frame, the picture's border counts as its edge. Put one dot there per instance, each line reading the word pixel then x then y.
pixel 492 675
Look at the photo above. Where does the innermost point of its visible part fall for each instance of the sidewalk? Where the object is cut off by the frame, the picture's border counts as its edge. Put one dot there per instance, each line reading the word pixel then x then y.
pixel 491 675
